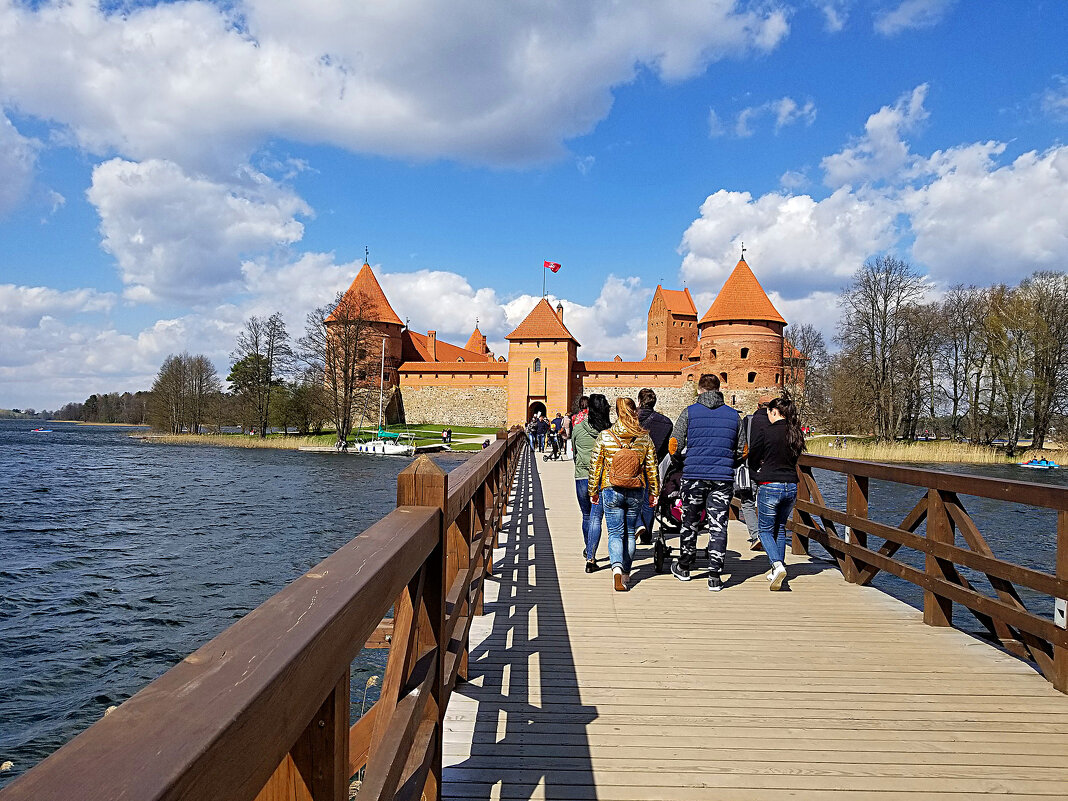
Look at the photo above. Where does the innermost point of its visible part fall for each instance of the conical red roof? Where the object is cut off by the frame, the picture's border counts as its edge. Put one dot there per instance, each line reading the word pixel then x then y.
pixel 476 342
pixel 542 323
pixel 373 304
pixel 742 298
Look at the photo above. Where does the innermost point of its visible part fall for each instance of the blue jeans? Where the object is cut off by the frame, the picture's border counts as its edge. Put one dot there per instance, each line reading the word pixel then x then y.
pixel 775 502
pixel 592 514
pixel 645 516
pixel 621 509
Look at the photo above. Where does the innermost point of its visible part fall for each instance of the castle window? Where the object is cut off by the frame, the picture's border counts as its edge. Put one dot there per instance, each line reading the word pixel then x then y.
pixel 537 365
pixel 654 357
pixel 713 354
pixel 734 400
pixel 745 353
pixel 680 340
pixel 723 378
pixel 776 379
pixel 460 359
pixel 752 378
pixel 682 357
pixel 656 340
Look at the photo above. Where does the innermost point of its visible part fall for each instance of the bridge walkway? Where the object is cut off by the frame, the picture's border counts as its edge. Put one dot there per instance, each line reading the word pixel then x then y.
pixel 673 693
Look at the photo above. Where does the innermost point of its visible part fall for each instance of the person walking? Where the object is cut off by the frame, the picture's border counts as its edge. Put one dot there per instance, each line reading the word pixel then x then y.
pixel 543 429
pixel 751 424
pixel 584 438
pixel 624 476
pixel 706 434
pixel 582 406
pixel 565 436
pixel 773 456
pixel 659 428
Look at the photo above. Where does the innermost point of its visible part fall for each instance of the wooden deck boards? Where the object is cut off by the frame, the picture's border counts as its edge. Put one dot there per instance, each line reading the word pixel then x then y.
pixel 672 692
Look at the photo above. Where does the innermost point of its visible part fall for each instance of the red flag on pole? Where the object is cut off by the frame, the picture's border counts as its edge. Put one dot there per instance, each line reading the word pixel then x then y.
pixel 552 265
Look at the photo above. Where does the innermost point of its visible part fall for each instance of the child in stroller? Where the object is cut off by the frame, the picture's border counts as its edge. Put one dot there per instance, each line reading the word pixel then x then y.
pixel 669 514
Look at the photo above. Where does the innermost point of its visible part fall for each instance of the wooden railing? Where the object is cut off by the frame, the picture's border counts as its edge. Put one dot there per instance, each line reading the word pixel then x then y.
pixel 844 533
pixel 262 711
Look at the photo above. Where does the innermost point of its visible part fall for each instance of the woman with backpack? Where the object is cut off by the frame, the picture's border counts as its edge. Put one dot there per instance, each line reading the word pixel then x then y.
pixel 584 437
pixel 773 456
pixel 624 476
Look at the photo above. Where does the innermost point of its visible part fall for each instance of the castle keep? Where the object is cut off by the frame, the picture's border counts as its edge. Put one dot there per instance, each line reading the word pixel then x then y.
pixel 740 339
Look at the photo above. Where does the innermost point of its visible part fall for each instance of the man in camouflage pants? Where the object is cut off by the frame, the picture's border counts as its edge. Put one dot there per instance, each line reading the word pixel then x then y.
pixel 707 435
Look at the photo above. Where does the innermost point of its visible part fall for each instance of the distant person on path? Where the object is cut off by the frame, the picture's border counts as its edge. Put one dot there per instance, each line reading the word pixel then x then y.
pixel 565 436
pixel 532 432
pixel 773 457
pixel 659 428
pixel 556 430
pixel 624 477
pixel 751 424
pixel 706 434
pixel 584 438
pixel 543 429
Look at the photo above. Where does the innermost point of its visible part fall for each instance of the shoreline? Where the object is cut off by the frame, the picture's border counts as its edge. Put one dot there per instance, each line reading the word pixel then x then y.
pixel 927 451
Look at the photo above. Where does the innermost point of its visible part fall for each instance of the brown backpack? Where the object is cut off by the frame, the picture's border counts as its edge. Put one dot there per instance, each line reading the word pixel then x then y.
pixel 625 471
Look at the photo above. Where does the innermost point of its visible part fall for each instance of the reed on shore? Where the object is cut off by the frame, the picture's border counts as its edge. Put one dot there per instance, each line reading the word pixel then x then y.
pixel 924 451
pixel 290 443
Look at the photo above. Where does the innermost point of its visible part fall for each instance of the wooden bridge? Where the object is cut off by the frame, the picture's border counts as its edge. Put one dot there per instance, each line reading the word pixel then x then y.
pixel 522 677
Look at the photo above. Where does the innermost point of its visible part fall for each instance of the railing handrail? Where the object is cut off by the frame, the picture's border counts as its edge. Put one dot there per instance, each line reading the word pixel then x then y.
pixel 221 722
pixel 999 489
pixel 942 512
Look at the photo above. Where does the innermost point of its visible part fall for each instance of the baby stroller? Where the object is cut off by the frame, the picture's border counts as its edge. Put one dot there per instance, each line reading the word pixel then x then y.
pixel 669 515
pixel 554 439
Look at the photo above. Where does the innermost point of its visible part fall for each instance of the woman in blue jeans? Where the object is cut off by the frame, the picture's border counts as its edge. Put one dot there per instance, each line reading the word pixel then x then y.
pixel 622 502
pixel 583 438
pixel 773 456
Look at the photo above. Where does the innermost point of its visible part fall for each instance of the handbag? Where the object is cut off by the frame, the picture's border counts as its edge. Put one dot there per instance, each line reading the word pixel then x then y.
pixel 743 481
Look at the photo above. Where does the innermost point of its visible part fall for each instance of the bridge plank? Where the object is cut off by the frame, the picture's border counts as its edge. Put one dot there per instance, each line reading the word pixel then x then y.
pixel 671 692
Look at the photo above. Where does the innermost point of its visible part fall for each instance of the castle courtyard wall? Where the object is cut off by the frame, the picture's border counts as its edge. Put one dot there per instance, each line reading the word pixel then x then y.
pixel 482 406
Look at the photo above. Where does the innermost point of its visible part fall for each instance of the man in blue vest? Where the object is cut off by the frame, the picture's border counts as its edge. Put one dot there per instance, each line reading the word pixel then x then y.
pixel 706 436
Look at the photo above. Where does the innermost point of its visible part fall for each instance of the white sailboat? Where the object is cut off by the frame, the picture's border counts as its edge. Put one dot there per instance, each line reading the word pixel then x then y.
pixel 385 443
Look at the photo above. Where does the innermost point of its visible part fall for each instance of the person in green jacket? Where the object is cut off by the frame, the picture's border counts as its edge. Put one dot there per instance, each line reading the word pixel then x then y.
pixel 584 438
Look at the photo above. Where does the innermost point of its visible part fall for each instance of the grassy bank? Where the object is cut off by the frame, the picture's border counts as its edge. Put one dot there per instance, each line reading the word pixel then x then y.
pixel 869 450
pixel 290 443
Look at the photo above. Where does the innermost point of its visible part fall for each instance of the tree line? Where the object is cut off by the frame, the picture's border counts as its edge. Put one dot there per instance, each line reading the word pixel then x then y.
pixel 982 364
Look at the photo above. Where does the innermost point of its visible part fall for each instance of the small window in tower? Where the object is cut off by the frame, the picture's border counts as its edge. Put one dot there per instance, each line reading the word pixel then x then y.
pixel 680 340
pixel 361 375
pixel 752 378
pixel 723 378
pixel 682 358
pixel 537 365
pixel 713 354
pixel 776 379
pixel 734 400
pixel 745 353
pixel 656 340
pixel 654 357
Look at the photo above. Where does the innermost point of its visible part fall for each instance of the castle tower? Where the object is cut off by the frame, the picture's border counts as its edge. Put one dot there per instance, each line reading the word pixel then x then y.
pixel 477 342
pixel 672 331
pixel 742 340
pixel 541 358
pixel 365 299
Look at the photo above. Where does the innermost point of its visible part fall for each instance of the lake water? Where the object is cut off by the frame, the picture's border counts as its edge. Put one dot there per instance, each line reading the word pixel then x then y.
pixel 119 557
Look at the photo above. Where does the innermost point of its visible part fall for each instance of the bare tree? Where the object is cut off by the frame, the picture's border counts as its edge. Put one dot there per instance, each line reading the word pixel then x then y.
pixel 873 329
pixel 1010 338
pixel 184 387
pixel 1047 298
pixel 339 347
pixel 805 369
pixel 962 354
pixel 262 354
pixel 203 386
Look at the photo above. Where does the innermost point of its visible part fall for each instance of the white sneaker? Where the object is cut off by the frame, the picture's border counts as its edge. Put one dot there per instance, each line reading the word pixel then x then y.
pixel 778 575
pixel 769 574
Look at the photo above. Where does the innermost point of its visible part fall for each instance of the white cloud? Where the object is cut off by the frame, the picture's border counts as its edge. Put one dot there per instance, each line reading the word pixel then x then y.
pixel 177 236
pixel 835 13
pixel 203 86
pixel 882 152
pixel 795 243
pixel 911 14
pixel 27 305
pixel 1054 100
pixel 785 110
pixel 18 161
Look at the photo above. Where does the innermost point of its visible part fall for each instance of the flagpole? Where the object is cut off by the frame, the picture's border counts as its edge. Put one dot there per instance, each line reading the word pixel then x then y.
pixel 543 269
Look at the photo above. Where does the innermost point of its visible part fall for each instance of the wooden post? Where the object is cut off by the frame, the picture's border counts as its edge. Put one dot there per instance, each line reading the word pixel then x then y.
pixel 321 755
pixel 856 505
pixel 937 610
pixel 1060 654
pixel 424 483
pixel 799 544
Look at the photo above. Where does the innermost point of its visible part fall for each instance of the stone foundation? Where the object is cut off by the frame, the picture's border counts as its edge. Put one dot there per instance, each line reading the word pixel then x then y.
pixel 484 407
pixel 670 401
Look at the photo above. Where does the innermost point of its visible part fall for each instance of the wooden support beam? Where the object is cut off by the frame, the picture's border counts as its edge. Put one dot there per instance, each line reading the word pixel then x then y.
pixel 1060 653
pixel 856 505
pixel 937 609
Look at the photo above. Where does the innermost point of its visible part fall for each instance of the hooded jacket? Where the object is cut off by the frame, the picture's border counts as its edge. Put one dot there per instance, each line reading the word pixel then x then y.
pixel 708 434
pixel 607 447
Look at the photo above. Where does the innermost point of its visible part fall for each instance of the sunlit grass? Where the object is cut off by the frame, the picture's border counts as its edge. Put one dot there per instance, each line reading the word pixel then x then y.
pixel 923 451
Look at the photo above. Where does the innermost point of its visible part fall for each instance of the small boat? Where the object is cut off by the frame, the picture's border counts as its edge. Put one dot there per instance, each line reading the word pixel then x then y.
pixel 40 430
pixel 1039 464
pixel 387 443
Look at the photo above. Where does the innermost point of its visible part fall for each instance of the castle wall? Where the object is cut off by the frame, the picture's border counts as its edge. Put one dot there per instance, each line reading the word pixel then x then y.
pixel 483 406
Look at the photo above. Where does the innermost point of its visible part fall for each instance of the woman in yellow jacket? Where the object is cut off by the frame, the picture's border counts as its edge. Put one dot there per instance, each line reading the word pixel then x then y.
pixel 622 503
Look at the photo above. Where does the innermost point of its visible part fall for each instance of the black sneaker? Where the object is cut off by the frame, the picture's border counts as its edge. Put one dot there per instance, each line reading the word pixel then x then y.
pixel 715 583
pixel 679 572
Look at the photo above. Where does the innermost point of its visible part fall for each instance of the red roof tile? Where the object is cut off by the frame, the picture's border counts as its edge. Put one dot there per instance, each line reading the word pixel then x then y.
pixel 477 342
pixel 415 347
pixel 366 295
pixel 541 323
pixel 678 302
pixel 742 298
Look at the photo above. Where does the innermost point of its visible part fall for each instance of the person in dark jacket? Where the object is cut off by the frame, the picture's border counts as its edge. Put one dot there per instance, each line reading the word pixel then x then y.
pixel 659 428
pixel 751 424
pixel 706 435
pixel 773 456
pixel 543 429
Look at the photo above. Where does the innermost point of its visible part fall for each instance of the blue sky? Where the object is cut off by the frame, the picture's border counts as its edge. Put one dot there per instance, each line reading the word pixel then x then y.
pixel 166 170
